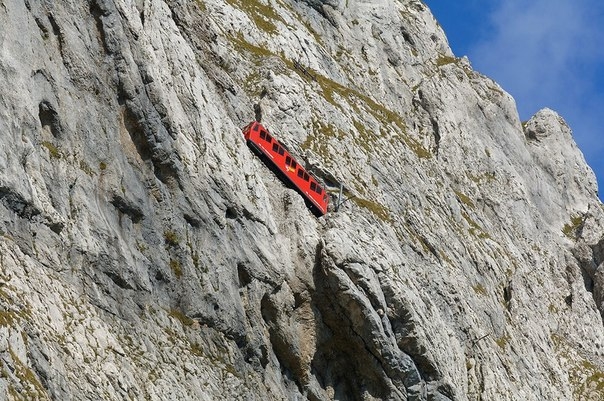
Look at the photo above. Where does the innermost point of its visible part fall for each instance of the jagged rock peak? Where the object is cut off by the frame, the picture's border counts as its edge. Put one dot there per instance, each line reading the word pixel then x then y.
pixel 544 123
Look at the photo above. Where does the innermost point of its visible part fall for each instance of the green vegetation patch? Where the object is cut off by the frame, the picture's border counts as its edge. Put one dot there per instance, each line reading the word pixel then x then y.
pixel 53 150
pixel 10 318
pixel 334 93
pixel 586 378
pixel 503 341
pixel 318 138
pixel 595 378
pixel 257 54
pixel 487 177
pixel 445 60
pixel 263 15
pixel 571 229
pixel 379 210
pixel 171 238
pixel 242 45
pixel 86 168
pixel 252 83
pixel 446 258
pixel 201 4
pixel 181 317
pixel 465 199
pixel 7 318
pixel 33 389
pixel 475 228
pixel 386 117
pixel 176 268
pixel 479 289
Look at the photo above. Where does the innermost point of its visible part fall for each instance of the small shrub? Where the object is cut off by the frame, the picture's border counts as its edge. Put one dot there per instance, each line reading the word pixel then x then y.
pixel 86 168
pixel 176 268
pixel 379 210
pixel 479 289
pixel 444 60
pixel 181 317
pixel 52 149
pixel 171 238
pixel 465 199
pixel 201 5
pixel 571 229
pixel 503 341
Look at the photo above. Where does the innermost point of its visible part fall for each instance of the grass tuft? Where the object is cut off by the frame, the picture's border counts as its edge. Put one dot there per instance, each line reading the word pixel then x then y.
pixel 171 238
pixel 176 268
pixel 52 149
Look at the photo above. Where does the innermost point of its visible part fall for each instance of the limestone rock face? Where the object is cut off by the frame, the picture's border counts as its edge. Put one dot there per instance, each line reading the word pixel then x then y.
pixel 147 254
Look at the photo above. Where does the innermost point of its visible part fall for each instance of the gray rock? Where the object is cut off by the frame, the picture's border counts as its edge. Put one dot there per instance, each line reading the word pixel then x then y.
pixel 146 252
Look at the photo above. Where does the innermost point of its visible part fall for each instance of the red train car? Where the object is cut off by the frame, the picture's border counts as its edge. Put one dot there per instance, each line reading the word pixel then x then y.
pixel 265 144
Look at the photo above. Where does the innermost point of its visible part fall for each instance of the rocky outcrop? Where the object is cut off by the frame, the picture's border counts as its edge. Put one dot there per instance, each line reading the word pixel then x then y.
pixel 147 253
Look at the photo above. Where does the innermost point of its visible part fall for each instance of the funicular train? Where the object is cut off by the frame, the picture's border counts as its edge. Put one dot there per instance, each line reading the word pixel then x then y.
pixel 259 139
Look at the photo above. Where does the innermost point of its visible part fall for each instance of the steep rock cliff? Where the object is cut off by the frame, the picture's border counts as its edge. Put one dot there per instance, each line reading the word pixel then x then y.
pixel 146 253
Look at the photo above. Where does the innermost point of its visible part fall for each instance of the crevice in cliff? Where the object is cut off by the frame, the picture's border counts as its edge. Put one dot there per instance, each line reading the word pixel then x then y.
pixel 243 274
pixel 408 38
pixel 596 282
pixel 407 341
pixel 590 259
pixel 98 14
pixel 142 114
pixel 598 252
pixel 26 209
pixel 137 134
pixel 42 27
pixel 160 159
pixel 212 311
pixel 12 200
pixel 286 354
pixel 118 280
pixel 192 220
pixel 343 360
pixel 436 134
pixel 128 208
pixel 56 30
pixel 49 118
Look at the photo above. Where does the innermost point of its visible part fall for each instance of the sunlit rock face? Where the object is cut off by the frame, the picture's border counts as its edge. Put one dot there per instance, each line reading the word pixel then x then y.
pixel 147 253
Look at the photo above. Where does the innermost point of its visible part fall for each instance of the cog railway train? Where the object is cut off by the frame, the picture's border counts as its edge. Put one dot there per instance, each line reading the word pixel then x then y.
pixel 264 144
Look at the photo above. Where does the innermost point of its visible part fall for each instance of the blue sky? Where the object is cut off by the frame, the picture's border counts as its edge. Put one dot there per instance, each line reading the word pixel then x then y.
pixel 545 53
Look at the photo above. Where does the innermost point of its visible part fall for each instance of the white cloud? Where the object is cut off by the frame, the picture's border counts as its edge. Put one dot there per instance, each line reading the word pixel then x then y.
pixel 536 46
pixel 548 53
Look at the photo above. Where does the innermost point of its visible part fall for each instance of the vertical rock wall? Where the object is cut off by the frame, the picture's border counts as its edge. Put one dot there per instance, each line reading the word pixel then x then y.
pixel 146 253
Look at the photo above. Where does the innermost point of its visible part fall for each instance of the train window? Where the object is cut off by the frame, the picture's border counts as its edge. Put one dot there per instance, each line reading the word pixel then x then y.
pixel 313 186
pixel 256 127
pixel 262 134
pixel 300 173
pixel 319 190
pixel 281 151
pixel 294 164
pixel 288 160
pixel 306 176
pixel 269 138
pixel 275 147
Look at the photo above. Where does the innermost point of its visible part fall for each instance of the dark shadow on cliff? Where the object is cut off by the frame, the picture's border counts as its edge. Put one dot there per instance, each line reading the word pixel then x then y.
pixel 342 360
